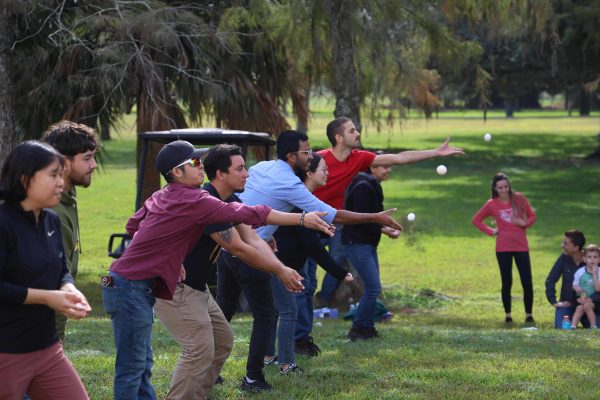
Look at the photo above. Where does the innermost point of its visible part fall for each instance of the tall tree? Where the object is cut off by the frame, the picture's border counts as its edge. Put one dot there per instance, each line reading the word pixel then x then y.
pixel 7 118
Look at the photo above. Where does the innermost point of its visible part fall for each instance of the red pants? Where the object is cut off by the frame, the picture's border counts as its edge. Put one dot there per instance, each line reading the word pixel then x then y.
pixel 43 375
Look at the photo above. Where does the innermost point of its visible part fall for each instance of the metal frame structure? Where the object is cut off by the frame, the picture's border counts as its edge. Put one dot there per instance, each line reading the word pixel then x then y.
pixel 201 137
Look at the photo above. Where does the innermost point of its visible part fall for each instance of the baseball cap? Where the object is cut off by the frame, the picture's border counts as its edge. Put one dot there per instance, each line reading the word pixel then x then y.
pixel 175 153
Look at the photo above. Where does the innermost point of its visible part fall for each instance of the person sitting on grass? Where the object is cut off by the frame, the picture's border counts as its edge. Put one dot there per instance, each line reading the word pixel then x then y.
pixel 570 260
pixel 586 283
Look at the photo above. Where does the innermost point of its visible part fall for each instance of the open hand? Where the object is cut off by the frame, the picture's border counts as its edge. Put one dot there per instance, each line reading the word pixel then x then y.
pixel 392 233
pixel 446 150
pixel 291 280
pixel 562 304
pixel 383 218
pixel 312 220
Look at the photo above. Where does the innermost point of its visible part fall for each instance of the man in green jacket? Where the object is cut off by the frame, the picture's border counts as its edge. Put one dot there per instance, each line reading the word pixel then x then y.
pixel 78 144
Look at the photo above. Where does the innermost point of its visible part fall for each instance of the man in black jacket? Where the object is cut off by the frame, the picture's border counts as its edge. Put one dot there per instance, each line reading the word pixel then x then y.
pixel 565 266
pixel 360 242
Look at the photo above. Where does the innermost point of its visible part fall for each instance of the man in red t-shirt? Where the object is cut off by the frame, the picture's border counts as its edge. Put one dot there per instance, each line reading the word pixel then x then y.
pixel 344 161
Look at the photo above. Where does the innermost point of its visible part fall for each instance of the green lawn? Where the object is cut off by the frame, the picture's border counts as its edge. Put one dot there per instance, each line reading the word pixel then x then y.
pixel 447 346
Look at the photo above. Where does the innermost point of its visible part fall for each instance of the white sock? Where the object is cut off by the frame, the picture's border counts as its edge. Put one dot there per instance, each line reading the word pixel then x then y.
pixel 250 380
pixel 593 327
pixel 573 327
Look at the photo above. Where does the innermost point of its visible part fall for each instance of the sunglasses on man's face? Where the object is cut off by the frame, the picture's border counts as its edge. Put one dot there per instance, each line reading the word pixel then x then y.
pixel 194 162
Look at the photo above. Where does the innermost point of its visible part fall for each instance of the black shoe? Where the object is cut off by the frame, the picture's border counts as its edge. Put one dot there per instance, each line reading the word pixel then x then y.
pixel 293 368
pixel 321 303
pixel 257 386
pixel 372 333
pixel 219 380
pixel 306 347
pixel 272 361
pixel 357 333
pixel 529 320
pixel 508 320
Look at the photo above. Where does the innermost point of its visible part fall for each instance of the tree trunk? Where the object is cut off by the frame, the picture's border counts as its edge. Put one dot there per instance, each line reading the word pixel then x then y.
pixel 508 108
pixel 584 103
pixel 302 123
pixel 595 155
pixel 104 129
pixel 346 78
pixel 8 137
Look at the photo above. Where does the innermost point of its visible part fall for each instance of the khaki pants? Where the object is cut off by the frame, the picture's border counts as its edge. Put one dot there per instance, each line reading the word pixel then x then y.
pixel 196 322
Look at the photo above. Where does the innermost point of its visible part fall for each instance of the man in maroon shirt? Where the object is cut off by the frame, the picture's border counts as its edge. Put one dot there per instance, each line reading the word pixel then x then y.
pixel 164 231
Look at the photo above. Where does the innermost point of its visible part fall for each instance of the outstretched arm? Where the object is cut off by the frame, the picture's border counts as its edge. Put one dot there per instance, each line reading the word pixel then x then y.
pixel 312 220
pixel 345 217
pixel 409 157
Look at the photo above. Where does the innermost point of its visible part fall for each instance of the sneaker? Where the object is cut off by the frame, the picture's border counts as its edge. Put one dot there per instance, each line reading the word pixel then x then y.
pixel 357 333
pixel 291 369
pixel 272 361
pixel 306 347
pixel 257 386
pixel 508 320
pixel 387 316
pixel 219 380
pixel 529 320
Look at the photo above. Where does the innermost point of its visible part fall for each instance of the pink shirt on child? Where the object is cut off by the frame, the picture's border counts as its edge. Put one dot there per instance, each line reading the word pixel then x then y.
pixel 510 237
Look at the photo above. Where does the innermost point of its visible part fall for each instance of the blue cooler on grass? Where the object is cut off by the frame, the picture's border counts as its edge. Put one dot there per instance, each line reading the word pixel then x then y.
pixel 325 313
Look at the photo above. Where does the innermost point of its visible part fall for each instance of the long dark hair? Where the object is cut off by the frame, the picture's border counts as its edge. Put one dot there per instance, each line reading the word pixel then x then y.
pixel 314 163
pixel 25 161
pixel 516 200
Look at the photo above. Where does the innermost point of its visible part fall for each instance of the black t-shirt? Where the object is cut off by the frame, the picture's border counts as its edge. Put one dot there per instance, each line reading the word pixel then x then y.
pixel 200 262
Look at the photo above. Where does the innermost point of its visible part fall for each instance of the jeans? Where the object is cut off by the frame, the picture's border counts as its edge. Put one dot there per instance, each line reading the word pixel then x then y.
pixel 233 277
pixel 287 309
pixel 363 258
pixel 524 267
pixel 304 299
pixel 129 304
pixel 337 252
pixel 560 312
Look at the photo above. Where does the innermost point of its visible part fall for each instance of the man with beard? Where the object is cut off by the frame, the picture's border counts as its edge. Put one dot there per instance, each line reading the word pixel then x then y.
pixel 78 144
pixel 275 184
pixel 192 317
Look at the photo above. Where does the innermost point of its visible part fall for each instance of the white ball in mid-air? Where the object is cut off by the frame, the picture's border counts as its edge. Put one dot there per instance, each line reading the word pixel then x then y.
pixel 442 170
pixel 487 137
pixel 411 217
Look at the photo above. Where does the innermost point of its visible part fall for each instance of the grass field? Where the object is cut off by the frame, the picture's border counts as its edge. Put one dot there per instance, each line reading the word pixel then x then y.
pixel 451 345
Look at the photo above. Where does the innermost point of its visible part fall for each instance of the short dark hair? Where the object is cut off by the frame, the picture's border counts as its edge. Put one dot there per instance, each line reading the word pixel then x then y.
pixel 289 142
pixel 25 160
pixel 314 163
pixel 70 138
pixel 219 159
pixel 576 237
pixel 335 127
pixel 377 153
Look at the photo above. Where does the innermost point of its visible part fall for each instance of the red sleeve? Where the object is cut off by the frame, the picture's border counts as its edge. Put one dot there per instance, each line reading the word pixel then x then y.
pixel 480 216
pixel 366 158
pixel 215 211
pixel 531 217
pixel 134 222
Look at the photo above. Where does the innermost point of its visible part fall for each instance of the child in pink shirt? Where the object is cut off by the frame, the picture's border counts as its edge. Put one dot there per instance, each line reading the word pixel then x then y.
pixel 513 215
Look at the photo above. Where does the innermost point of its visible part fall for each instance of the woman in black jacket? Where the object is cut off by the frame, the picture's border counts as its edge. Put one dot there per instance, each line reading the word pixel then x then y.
pixel 294 245
pixel 360 246
pixel 34 279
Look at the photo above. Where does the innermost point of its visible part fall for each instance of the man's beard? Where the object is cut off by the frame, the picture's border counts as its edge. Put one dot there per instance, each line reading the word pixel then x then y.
pixel 299 170
pixel 79 180
pixel 240 190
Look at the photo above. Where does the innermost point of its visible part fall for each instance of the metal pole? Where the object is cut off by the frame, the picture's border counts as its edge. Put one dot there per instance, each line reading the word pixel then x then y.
pixel 244 148
pixel 138 198
pixel 267 152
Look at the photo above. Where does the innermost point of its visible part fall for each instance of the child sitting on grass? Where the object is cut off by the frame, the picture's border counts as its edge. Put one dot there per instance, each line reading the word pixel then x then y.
pixel 586 283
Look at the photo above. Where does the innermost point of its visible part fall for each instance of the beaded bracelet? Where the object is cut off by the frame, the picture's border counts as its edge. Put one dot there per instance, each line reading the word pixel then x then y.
pixel 302 219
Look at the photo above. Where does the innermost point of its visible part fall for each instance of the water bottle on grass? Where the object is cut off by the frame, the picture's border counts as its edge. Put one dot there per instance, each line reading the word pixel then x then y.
pixel 566 324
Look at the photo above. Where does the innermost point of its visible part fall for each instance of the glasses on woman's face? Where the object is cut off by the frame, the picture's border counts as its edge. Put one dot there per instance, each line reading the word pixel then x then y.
pixel 324 169
pixel 194 162
pixel 308 152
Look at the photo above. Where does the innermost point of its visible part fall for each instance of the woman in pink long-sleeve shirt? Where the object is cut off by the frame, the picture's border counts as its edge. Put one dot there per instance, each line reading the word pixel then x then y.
pixel 513 215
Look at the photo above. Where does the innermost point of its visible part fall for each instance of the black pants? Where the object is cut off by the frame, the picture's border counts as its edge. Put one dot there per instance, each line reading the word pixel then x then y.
pixel 524 267
pixel 233 276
